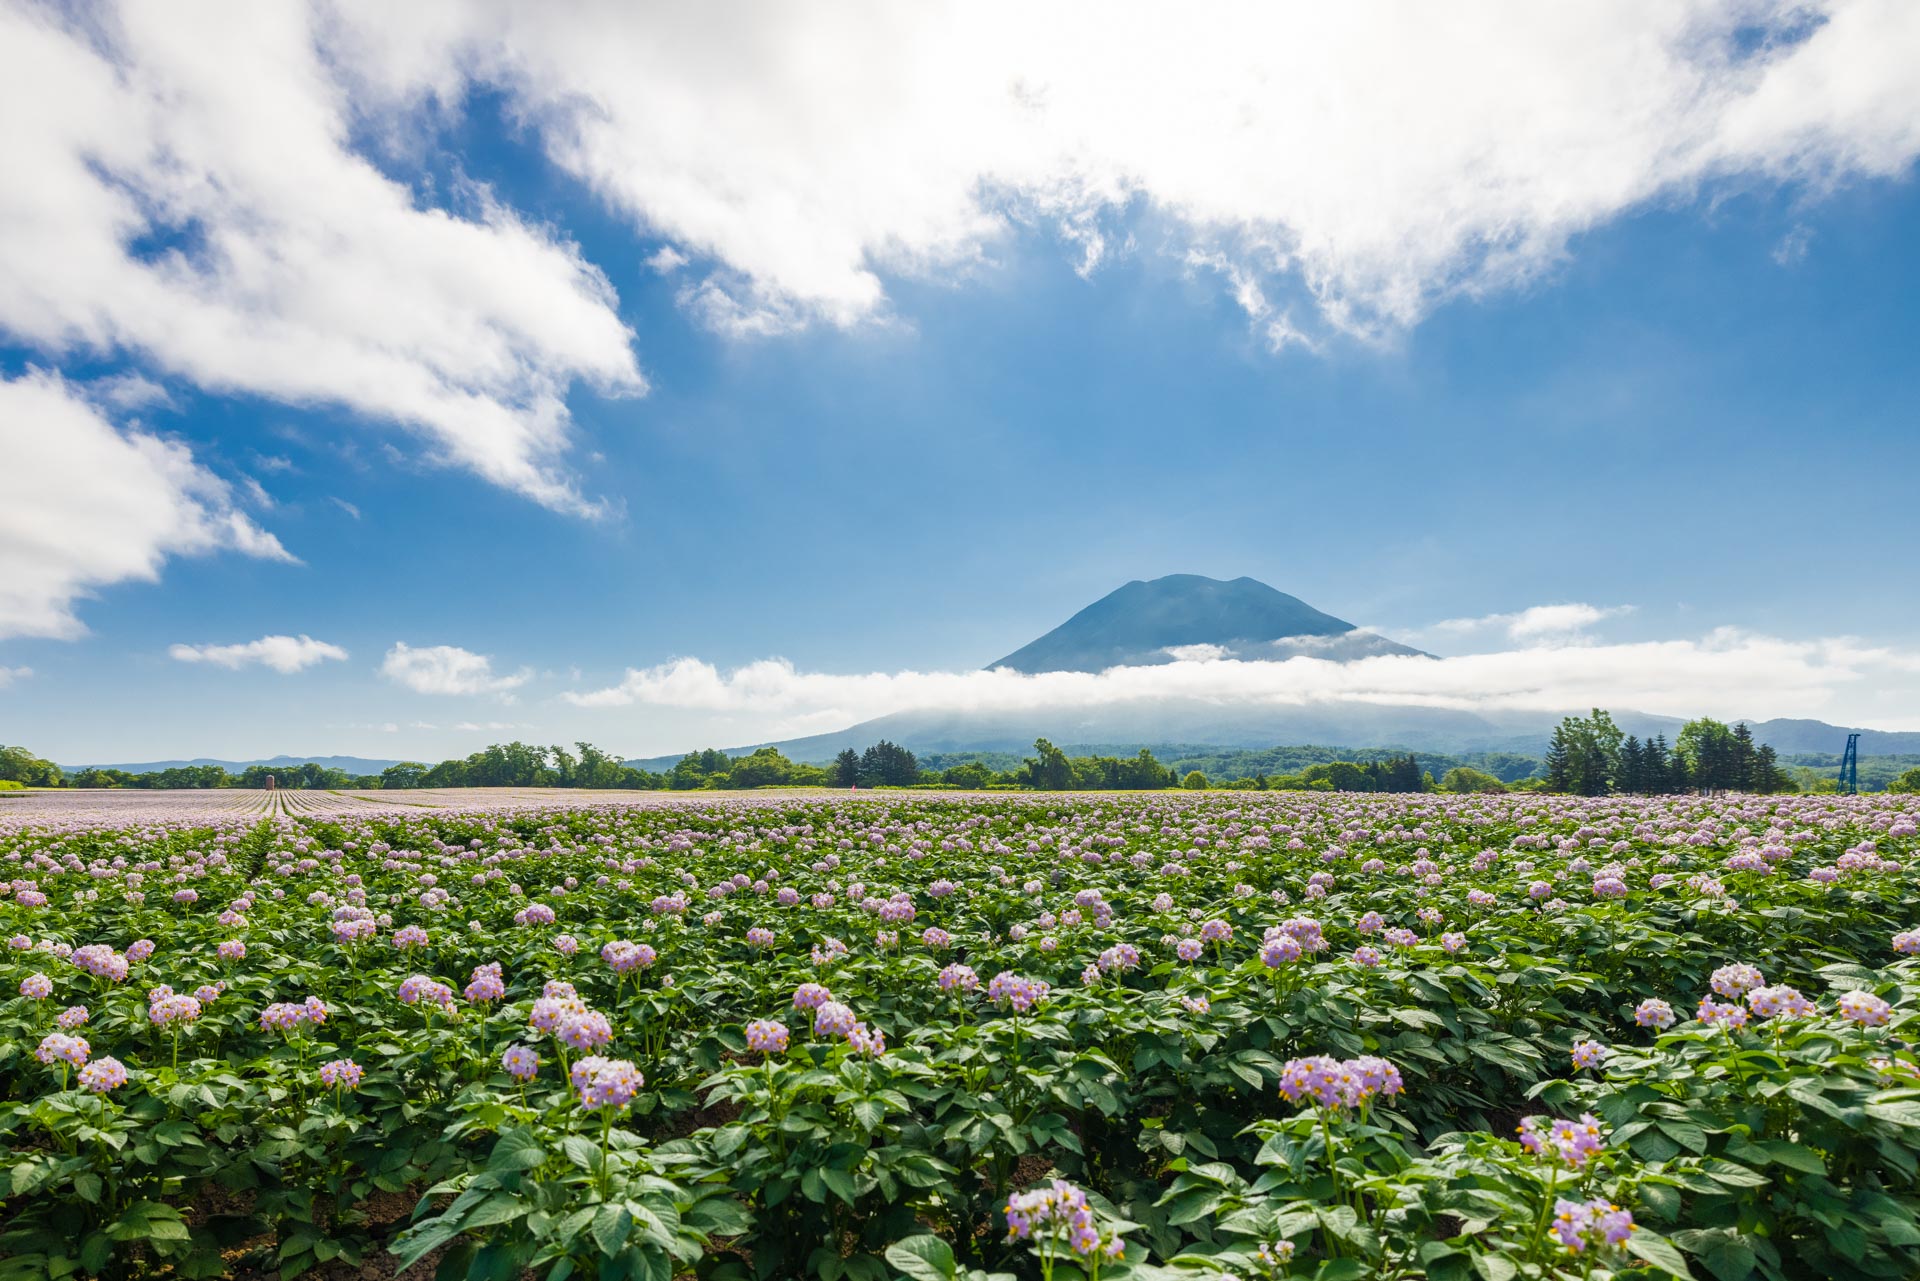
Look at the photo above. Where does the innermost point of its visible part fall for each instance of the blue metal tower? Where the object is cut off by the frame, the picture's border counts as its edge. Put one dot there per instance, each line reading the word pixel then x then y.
pixel 1850 767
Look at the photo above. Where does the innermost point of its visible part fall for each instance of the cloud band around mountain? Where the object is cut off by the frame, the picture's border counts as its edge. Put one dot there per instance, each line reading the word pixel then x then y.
pixel 1728 672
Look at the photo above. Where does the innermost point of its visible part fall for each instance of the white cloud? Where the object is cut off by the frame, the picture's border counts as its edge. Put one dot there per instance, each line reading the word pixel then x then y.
pixel 1377 158
pixel 182 186
pixel 447 669
pixel 1727 673
pixel 666 260
pixel 1537 622
pixel 129 391
pixel 84 505
pixel 345 506
pixel 10 674
pixel 285 654
pixel 1196 653
pixel 193 189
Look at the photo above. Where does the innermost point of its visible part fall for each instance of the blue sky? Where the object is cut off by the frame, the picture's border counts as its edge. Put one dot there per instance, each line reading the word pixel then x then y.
pixel 1689 404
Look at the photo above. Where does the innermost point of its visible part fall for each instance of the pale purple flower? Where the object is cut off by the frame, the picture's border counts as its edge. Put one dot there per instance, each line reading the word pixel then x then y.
pixel 59 1047
pixel 1579 1224
pixel 103 1074
pixel 959 978
pixel 1570 1143
pixel 767 1036
pixel 521 1062
pixel 1654 1013
pixel 1864 1008
pixel 340 1074
pixel 832 1019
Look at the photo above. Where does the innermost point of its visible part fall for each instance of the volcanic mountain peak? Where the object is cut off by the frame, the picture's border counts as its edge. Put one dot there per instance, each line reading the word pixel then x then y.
pixel 1190 616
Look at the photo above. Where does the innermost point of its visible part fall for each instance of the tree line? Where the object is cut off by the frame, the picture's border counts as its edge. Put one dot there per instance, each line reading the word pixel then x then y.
pixel 1587 756
pixel 1590 756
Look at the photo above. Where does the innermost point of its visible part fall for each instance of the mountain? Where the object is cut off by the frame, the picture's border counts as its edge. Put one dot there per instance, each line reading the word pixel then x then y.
pixel 350 764
pixel 1148 623
pixel 1792 736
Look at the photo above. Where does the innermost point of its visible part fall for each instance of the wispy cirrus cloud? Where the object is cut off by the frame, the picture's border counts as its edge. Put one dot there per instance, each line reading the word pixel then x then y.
pixel 1536 622
pixel 284 654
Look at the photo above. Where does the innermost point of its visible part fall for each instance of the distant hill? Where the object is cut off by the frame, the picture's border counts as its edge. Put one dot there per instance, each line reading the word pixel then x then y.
pixel 1790 737
pixel 1147 623
pixel 350 764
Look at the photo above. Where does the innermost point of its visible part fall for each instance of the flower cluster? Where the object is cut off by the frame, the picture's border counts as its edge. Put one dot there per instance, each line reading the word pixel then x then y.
pixel 421 989
pixel 1569 1143
pixel 767 1036
pixel 59 1047
pixel 605 1083
pixel 1579 1224
pixel 340 1074
pixel 1059 1213
pixel 1008 988
pixel 1337 1083
pixel 522 1062
pixel 103 1074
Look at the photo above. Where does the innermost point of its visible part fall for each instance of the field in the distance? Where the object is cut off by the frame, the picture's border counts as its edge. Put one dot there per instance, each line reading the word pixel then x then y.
pixel 1192 1035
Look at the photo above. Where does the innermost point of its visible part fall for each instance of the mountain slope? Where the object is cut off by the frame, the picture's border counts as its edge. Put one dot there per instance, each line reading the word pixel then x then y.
pixel 1146 623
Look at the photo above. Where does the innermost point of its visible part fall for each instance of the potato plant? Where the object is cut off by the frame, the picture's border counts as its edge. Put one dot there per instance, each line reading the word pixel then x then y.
pixel 1137 1036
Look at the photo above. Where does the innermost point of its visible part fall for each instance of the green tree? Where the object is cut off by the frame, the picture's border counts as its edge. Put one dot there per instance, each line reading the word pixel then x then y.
pixel 968 774
pixel 1195 782
pixel 1908 783
pixel 1464 778
pixel 1709 749
pixel 766 767
pixel 1048 769
pixel 887 764
pixel 846 768
pixel 18 765
pixel 405 774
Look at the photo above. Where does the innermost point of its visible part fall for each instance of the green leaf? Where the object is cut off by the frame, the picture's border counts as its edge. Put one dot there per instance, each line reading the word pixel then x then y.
pixel 1341 1270
pixel 501 1207
pixel 611 1225
pixel 1794 1156
pixel 1652 1248
pixel 95 1251
pixel 839 1182
pixel 922 1258
pixel 1194 1203
pixel 516 1150
pixel 1495 1267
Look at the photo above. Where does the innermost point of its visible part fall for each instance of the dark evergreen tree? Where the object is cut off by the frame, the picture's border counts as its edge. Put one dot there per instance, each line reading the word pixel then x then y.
pixel 1740 766
pixel 1632 776
pixel 1656 772
pixel 846 769
pixel 1560 760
